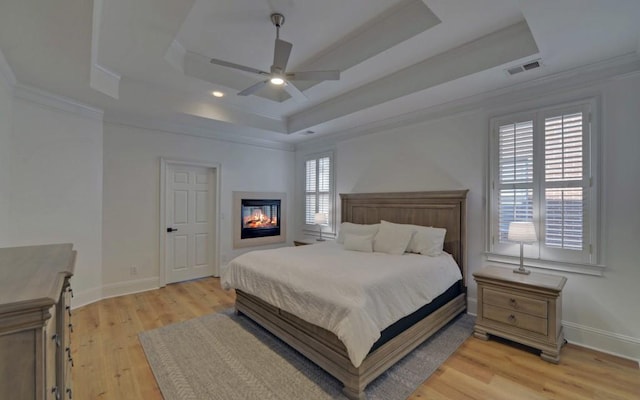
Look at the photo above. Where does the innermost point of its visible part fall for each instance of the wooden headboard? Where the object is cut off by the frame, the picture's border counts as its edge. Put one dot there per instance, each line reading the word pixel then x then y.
pixel 442 209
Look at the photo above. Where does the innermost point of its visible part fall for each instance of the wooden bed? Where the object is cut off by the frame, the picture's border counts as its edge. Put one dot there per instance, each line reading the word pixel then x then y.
pixel 445 209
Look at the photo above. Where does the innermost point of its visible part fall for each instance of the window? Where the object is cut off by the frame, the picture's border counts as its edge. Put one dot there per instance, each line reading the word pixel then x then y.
pixel 542 170
pixel 318 187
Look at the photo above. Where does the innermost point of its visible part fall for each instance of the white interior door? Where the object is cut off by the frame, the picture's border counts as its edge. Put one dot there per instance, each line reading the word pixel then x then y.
pixel 189 237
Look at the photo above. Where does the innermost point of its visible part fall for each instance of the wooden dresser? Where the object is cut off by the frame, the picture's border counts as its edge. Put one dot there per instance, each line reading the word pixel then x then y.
pixel 35 322
pixel 524 308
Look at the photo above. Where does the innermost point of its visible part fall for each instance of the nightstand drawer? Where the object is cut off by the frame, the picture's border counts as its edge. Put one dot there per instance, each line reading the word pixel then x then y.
pixel 516 319
pixel 514 302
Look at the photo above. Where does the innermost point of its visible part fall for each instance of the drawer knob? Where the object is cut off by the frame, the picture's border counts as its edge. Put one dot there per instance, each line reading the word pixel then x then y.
pixel 512 319
pixel 513 303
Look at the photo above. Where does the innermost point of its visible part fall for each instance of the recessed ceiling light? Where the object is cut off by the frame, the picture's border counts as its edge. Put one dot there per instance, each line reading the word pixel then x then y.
pixel 217 93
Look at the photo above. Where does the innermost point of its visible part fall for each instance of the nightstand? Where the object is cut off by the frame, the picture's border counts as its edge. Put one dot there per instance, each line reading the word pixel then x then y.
pixel 523 308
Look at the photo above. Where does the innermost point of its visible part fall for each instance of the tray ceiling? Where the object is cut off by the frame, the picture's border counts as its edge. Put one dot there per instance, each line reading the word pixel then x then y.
pixel 149 59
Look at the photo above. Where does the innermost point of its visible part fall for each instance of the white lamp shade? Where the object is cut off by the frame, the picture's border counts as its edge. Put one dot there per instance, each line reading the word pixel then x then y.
pixel 320 219
pixel 522 232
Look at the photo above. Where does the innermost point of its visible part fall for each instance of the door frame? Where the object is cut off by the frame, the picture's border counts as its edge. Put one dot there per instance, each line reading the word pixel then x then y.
pixel 215 169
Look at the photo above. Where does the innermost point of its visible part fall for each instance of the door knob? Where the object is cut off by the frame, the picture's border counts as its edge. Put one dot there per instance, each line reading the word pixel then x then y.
pixel 172 230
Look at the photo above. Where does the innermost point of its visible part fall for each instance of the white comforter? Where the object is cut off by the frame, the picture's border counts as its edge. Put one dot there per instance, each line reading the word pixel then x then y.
pixel 355 295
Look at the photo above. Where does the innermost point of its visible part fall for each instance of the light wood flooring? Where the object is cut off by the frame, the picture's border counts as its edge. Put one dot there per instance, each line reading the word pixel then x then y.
pixel 110 362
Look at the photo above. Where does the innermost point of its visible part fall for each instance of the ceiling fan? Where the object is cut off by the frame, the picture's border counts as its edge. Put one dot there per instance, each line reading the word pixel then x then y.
pixel 278 74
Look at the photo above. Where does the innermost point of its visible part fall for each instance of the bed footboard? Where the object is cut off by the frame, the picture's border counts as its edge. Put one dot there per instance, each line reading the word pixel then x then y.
pixel 327 351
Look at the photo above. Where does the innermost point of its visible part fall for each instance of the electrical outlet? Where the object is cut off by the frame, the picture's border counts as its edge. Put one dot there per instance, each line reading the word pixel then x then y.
pixel 134 270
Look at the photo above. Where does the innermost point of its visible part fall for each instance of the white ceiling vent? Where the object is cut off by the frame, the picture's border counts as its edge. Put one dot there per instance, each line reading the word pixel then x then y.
pixel 524 67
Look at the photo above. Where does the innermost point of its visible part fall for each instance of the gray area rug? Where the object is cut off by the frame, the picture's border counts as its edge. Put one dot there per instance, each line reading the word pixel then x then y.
pixel 228 357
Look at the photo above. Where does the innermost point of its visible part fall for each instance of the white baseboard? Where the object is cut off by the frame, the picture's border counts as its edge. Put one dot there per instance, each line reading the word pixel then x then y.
pixel 607 342
pixel 129 287
pixel 472 306
pixel 85 297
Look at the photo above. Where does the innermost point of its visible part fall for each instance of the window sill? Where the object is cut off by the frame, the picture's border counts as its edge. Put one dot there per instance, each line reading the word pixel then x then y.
pixel 584 269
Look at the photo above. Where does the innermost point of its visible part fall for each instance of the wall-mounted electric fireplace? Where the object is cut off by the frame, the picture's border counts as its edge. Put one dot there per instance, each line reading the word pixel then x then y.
pixel 258 218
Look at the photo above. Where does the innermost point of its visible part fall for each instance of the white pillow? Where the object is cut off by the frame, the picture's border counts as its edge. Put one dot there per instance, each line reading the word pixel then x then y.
pixel 427 240
pixel 358 242
pixel 392 238
pixel 357 229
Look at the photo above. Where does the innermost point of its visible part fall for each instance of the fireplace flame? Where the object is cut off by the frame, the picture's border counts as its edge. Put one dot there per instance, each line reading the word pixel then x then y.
pixel 258 219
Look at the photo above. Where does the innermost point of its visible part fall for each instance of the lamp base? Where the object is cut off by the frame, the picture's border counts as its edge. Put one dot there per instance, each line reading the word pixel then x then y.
pixel 521 271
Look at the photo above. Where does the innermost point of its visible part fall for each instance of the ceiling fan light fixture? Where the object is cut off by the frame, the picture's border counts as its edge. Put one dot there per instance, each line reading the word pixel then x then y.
pixel 278 75
pixel 217 93
pixel 276 80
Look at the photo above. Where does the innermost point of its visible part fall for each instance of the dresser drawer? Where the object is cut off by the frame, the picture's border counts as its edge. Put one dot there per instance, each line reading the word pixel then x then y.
pixel 514 302
pixel 516 319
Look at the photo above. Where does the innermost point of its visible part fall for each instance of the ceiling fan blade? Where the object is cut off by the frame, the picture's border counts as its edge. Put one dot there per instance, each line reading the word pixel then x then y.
pixel 281 55
pixel 237 66
pixel 253 88
pixel 314 76
pixel 294 92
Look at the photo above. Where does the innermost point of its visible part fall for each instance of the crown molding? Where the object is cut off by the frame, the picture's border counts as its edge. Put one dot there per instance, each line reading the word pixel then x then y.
pixel 59 103
pixel 6 73
pixel 576 78
pixel 104 81
pixel 191 129
pixel 100 78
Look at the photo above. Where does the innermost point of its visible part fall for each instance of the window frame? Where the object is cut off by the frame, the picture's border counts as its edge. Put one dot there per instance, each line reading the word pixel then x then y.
pixel 589 260
pixel 312 229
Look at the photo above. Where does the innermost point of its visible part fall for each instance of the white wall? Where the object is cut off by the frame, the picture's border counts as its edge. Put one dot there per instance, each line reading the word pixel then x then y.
pixel 131 205
pixel 6 100
pixel 56 184
pixel 451 153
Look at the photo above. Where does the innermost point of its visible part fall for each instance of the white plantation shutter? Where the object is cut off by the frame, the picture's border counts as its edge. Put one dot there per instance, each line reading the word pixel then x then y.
pixel 318 187
pixel 324 184
pixel 311 173
pixel 515 175
pixel 541 172
pixel 564 181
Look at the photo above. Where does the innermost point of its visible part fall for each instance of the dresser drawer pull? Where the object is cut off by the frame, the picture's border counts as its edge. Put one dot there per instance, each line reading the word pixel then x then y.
pixel 512 319
pixel 56 392
pixel 68 310
pixel 71 328
pixel 56 339
pixel 513 303
pixel 70 360
pixel 70 393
